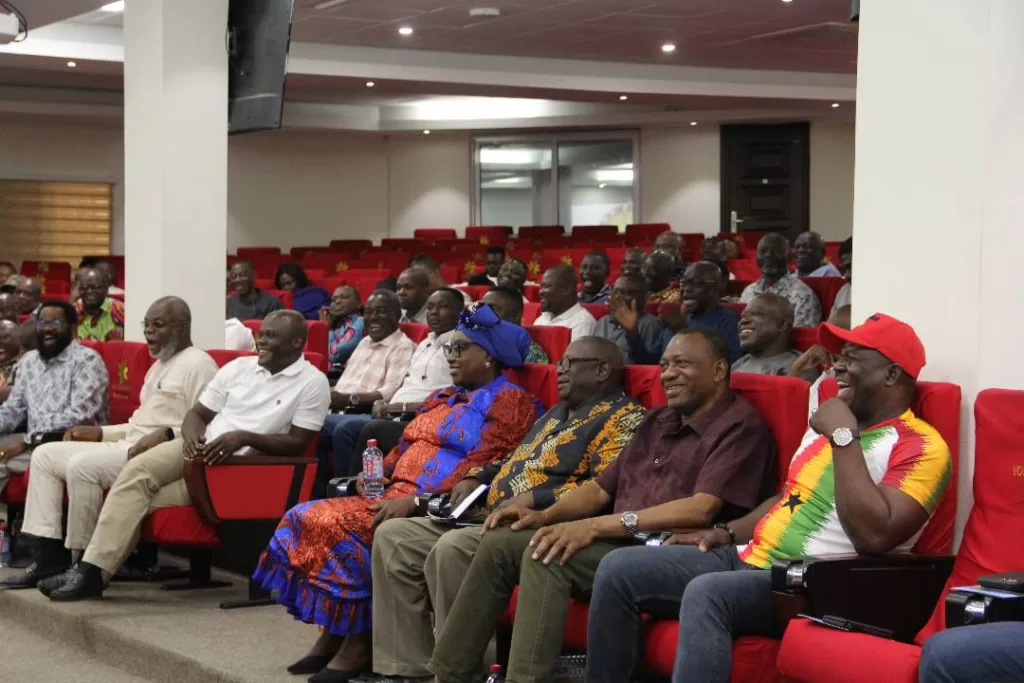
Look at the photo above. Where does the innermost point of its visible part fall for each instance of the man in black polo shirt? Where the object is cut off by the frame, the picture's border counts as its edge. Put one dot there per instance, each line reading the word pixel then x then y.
pixel 705 457
pixel 248 303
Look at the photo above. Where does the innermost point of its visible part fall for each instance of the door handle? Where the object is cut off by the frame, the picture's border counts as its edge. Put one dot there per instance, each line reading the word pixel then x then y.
pixel 734 221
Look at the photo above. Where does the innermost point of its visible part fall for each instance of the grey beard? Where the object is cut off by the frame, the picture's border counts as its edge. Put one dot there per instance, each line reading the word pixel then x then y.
pixel 166 353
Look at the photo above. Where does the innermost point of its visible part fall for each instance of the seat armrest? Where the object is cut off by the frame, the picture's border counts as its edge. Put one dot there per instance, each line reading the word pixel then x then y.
pixel 197 475
pixel 897 592
pixel 342 487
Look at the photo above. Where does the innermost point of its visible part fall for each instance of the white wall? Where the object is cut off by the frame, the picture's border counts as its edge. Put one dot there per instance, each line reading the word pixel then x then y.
pixel 832 179
pixel 428 182
pixel 679 177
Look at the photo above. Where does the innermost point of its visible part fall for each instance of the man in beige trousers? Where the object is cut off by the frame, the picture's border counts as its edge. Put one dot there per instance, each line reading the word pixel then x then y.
pixel 274 403
pixel 572 443
pixel 89 458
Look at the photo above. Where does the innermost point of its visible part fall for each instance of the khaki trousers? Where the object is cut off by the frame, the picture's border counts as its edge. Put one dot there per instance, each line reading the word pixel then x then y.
pixel 418 566
pixel 88 469
pixel 149 481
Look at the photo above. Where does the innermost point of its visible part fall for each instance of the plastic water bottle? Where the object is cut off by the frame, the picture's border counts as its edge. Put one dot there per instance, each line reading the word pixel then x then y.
pixel 495 676
pixel 5 547
pixel 571 669
pixel 373 471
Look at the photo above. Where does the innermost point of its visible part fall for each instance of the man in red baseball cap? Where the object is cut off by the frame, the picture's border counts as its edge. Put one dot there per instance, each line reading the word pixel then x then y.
pixel 867 477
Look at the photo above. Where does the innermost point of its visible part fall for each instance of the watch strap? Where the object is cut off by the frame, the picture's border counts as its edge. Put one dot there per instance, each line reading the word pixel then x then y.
pixel 727 529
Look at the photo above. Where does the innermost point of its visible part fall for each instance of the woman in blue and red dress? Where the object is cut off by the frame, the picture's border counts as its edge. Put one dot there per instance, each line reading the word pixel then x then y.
pixel 319 558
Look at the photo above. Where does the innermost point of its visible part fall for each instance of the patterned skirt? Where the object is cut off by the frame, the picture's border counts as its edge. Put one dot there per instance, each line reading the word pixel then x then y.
pixel 319 562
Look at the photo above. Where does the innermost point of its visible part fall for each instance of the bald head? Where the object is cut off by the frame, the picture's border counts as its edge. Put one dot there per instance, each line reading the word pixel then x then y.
pixel 773 256
pixel 701 287
pixel 167 327
pixel 765 325
pixel 558 289
pixel 669 241
pixel 591 367
pixel 657 269
pixel 281 340
pixel 28 293
pixel 809 252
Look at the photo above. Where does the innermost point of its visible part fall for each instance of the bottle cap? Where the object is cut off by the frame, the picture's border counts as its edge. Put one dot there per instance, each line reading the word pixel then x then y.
pixel 371 442
pixel 495 668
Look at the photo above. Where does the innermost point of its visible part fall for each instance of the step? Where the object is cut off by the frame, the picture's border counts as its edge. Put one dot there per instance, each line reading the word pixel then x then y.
pixel 161 636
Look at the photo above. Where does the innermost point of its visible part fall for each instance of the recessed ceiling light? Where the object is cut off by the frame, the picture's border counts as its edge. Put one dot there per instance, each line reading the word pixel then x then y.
pixel 623 97
pixel 668 47
pixel 370 84
pixel 693 123
pixel 113 7
pixel 787 1
pixel 602 186
pixel 405 31
pixel 72 64
pixel 835 105
pixel 426 132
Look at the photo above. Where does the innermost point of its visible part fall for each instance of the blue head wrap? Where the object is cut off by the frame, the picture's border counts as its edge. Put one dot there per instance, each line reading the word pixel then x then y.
pixel 503 341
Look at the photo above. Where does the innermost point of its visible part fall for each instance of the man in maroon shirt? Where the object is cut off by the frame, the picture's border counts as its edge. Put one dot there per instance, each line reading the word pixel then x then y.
pixel 701 459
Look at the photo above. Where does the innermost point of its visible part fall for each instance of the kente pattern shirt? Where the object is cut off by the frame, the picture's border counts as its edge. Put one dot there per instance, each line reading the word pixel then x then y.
pixel 559 454
pixel 806 308
pixel 905 453
pixel 57 394
pixel 106 325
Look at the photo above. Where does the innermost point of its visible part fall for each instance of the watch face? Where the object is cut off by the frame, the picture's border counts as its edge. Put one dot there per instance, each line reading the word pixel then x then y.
pixel 629 519
pixel 842 437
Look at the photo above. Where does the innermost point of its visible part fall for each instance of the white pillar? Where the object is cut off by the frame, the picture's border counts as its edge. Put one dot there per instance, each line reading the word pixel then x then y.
pixel 938 207
pixel 175 135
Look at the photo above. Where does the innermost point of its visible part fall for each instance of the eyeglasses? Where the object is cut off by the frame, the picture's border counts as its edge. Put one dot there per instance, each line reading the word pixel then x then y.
pixel 49 324
pixel 567 362
pixel 698 283
pixel 456 349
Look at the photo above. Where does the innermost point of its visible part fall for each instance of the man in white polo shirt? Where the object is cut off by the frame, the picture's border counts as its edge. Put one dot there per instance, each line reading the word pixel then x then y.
pixel 90 457
pixel 273 403
pixel 560 303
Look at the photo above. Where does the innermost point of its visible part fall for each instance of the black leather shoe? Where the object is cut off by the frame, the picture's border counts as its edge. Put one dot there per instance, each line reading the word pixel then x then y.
pixel 47 586
pixel 86 581
pixel 310 664
pixel 35 573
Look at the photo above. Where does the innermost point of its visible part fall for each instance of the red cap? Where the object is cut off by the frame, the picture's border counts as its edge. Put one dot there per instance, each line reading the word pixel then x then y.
pixel 892 338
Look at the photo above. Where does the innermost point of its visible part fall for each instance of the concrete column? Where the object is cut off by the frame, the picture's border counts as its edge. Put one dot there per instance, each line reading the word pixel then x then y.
pixel 937 203
pixel 175 134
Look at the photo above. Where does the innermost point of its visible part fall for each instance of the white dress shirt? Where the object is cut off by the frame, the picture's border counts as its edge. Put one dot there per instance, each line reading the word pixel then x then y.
pixel 428 370
pixel 576 318
pixel 247 397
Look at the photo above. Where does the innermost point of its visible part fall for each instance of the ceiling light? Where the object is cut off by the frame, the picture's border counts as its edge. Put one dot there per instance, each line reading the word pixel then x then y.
pixel 623 97
pixel 511 180
pixel 787 1
pixel 72 64
pixel 693 123
pixel 405 31
pixel 601 186
pixel 370 84
pixel 835 105
pixel 668 47
pixel 328 4
pixel 426 132
pixel 113 7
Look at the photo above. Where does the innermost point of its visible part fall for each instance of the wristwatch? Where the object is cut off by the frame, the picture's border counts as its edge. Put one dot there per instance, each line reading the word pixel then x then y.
pixel 843 437
pixel 727 529
pixel 169 434
pixel 629 522
pixel 353 399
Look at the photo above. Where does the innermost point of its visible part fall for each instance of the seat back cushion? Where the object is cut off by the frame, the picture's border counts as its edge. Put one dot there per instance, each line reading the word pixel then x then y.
pixel 554 339
pixel 127 364
pixel 540 380
pixel 782 402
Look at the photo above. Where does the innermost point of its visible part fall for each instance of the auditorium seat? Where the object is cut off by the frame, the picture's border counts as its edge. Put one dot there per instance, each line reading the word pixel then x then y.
pixel 316 335
pixel 283 295
pixel 744 269
pixel 127 364
pixel 804 338
pixel 531 292
pixel 643 382
pixel 417 332
pixel 539 232
pixel 540 380
pixel 597 310
pixel 595 232
pixel 489 234
pixel 531 311
pixel 249 253
pixel 45 270
pixel 475 292
pixel 391 262
pixel 638 233
pixel 435 234
pixel 812 654
pixel 826 289
pixel 351 246
pixel 736 308
pixel 554 339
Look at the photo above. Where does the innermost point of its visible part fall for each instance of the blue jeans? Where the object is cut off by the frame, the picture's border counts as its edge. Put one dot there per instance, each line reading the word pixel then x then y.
pixel 987 653
pixel 336 450
pixel 716 597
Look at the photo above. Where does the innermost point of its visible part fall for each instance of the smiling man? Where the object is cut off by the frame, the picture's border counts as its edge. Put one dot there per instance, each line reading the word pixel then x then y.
pixel 273 403
pixel 765 328
pixel 809 255
pixel 248 303
pixel 594 270
pixel 59 385
pixel 89 458
pixel 887 472
pixel 705 457
pixel 100 318
pixel 560 305
pixel 571 444
pixel 413 290
pixel 773 260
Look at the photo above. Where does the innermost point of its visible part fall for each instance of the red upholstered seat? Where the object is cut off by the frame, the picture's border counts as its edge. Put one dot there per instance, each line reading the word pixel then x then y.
pixel 224 356
pixel 435 234
pixel 735 307
pixel 540 232
pixel 127 364
pixel 531 311
pixel 554 339
pixel 476 292
pixel 351 246
pixel 248 253
pixel 804 338
pixel 597 310
pixel 16 491
pixel 46 270
pixel 826 289
pixel 179 526
pixel 810 653
pixel 316 334
pixel 417 332
pixel 645 231
pixel 489 234
pixel 595 232
pixel 643 382
pixel 540 380
pixel 531 292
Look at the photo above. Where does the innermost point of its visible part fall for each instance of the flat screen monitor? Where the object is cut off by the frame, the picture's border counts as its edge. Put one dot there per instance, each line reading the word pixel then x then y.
pixel 259 33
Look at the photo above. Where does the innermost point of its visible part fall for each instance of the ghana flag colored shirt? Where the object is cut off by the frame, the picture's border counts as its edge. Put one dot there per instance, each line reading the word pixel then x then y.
pixel 905 453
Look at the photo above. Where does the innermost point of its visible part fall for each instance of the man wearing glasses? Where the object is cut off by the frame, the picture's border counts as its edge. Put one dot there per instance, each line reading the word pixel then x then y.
pixel 572 443
pixel 702 458
pixel 61 384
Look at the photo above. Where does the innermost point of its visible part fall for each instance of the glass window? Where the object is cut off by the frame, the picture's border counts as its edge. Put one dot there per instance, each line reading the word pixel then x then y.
pixel 595 182
pixel 516 185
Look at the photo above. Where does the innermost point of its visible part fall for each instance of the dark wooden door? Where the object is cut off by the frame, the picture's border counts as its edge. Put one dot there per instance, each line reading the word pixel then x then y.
pixel 765 178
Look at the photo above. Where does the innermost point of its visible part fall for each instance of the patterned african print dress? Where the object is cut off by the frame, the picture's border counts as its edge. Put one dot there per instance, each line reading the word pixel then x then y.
pixel 319 558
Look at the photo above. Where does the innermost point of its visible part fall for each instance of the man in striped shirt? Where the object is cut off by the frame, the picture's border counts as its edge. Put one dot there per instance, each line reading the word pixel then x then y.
pixel 866 478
